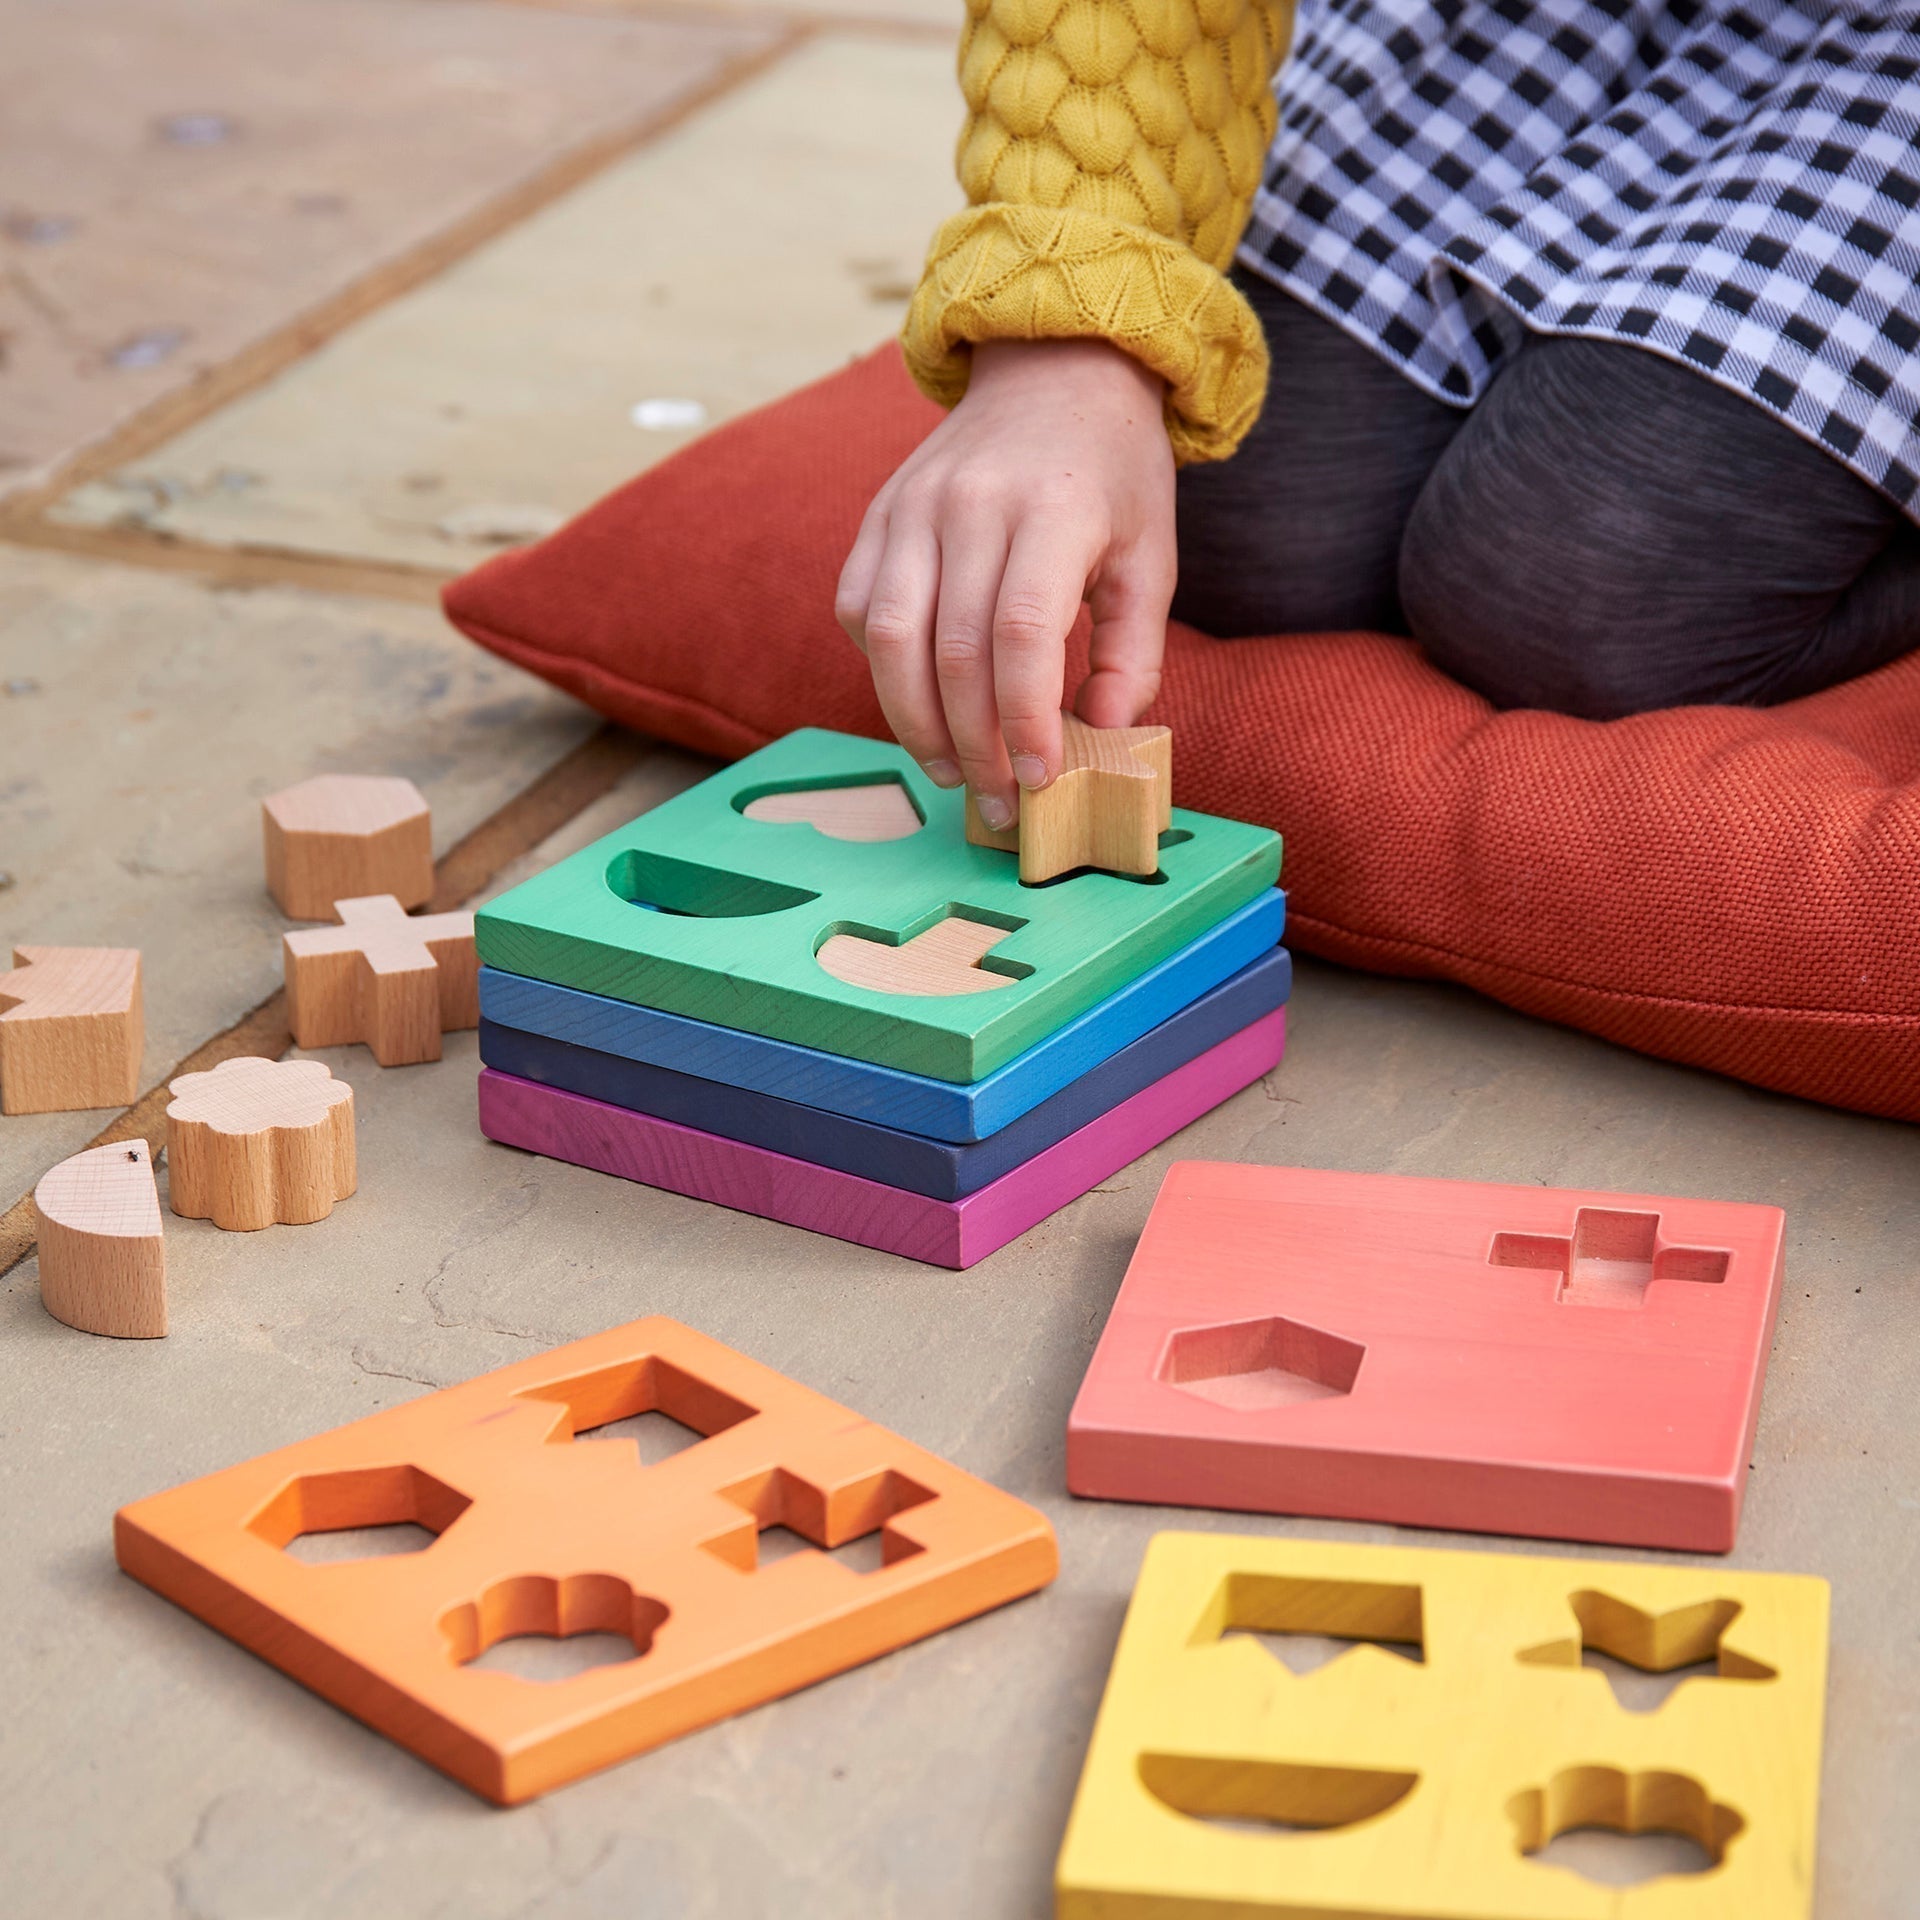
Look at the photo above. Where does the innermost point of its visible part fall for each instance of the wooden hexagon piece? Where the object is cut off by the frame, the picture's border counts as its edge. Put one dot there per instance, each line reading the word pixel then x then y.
pixel 257 1142
pixel 103 1258
pixel 342 836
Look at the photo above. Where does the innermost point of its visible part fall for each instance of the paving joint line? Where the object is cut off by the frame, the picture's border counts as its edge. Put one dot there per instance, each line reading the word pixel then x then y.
pixel 23 515
pixel 567 788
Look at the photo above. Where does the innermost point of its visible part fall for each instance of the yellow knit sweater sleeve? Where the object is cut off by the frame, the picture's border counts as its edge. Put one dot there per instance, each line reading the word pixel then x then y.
pixel 1110 156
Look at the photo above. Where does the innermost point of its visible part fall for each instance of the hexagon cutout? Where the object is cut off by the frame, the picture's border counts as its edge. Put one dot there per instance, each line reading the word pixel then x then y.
pixel 1254 1366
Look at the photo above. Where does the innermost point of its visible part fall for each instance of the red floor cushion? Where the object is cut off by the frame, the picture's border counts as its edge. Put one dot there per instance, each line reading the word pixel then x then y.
pixel 1737 889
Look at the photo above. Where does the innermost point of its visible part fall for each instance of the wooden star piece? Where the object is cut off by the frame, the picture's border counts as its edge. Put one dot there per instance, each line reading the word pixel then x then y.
pixel 1108 808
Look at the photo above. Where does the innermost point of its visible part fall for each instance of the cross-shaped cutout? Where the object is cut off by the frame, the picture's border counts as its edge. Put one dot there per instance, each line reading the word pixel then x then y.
pixel 1610 1259
pixel 384 977
pixel 945 958
pixel 1107 809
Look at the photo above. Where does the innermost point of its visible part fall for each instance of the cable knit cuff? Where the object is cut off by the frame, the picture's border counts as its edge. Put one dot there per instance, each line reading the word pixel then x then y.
pixel 1010 272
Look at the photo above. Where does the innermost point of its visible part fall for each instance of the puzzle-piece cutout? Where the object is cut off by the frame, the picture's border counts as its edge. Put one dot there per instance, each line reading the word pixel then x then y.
pixel 948 957
pixel 1218 1781
pixel 744 906
pixel 1107 807
pixel 385 977
pixel 541 1529
pixel 1436 1353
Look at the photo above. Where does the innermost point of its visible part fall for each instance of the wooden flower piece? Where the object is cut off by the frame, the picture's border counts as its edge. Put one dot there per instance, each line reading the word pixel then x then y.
pixel 257 1142
pixel 71 1029
pixel 340 836
pixel 103 1257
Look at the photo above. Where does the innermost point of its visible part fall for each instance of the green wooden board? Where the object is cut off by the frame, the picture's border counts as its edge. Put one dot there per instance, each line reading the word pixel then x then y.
pixel 740 907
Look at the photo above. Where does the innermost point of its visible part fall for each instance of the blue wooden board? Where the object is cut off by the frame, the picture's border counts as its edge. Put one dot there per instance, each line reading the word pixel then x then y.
pixel 863 1091
pixel 743 907
pixel 941 1169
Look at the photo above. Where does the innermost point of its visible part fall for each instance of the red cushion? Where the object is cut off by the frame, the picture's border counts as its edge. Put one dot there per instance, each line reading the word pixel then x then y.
pixel 1733 888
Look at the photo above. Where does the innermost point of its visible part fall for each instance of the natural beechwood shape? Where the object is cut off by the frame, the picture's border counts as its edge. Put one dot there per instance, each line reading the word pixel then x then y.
pixel 948 957
pixel 343 836
pixel 71 1029
pixel 103 1256
pixel 879 810
pixel 698 909
pixel 546 1528
pixel 258 1142
pixel 1459 1732
pixel 1109 806
pixel 395 982
pixel 1436 1353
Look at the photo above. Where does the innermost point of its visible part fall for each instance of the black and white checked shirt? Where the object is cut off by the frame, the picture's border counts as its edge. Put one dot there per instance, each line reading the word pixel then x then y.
pixel 1733 186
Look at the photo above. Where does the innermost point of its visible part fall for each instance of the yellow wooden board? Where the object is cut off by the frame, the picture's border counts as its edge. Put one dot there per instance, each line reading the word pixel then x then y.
pixel 1411 1775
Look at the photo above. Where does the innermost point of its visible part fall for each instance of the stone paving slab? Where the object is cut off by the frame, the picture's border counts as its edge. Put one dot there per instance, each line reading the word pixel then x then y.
pixel 156 1770
pixel 153 715
pixel 180 177
pixel 758 246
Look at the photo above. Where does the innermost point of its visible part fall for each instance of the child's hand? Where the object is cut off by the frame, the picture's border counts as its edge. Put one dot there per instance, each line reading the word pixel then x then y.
pixel 1051 482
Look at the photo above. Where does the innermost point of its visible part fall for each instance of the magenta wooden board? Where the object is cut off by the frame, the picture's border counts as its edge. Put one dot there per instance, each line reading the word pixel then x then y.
pixel 1436 1353
pixel 945 1233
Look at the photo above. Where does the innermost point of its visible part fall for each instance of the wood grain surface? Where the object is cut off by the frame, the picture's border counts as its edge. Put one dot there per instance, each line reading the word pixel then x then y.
pixel 635 1146
pixel 1499 1387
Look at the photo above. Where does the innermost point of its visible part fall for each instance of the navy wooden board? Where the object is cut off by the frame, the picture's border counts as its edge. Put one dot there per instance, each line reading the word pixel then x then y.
pixel 911 1102
pixel 940 1169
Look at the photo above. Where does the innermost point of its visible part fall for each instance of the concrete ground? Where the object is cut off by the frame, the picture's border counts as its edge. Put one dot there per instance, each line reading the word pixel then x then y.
pixel 253 519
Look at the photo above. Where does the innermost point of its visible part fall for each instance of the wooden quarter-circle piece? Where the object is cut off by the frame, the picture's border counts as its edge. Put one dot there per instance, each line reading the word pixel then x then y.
pixel 944 959
pixel 395 982
pixel 258 1142
pixel 103 1255
pixel 71 1029
pixel 1107 809
pixel 340 836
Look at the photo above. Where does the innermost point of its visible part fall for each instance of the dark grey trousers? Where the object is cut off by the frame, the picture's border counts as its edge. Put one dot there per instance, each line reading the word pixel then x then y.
pixel 1605 532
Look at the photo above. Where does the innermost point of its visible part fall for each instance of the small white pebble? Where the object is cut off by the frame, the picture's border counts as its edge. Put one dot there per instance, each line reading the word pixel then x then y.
pixel 669 416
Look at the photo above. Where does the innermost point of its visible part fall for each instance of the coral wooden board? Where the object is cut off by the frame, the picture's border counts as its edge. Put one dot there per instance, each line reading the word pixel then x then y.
pixel 1415 1772
pixel 1437 1353
pixel 744 905
pixel 543 1529
pixel 863 1091
pixel 946 1233
pixel 941 1169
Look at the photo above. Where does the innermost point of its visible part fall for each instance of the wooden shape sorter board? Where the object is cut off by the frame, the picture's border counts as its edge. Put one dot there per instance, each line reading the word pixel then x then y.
pixel 864 1091
pixel 940 1169
pixel 543 1529
pixel 1411 1776
pixel 945 1233
pixel 743 906
pixel 1436 1353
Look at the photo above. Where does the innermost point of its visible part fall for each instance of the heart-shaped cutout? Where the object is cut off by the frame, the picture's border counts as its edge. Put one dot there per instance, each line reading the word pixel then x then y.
pixel 870 810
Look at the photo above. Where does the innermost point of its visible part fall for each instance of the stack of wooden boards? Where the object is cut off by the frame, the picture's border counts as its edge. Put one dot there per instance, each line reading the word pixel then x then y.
pixel 796 989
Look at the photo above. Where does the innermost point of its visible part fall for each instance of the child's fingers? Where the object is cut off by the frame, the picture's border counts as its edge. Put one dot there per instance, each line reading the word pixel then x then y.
pixel 973 555
pixel 854 594
pixel 899 646
pixel 1129 604
pixel 1039 600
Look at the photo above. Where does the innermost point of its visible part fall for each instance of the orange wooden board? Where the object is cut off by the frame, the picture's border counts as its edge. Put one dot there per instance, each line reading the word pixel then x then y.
pixel 542 1528
pixel 1436 1353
